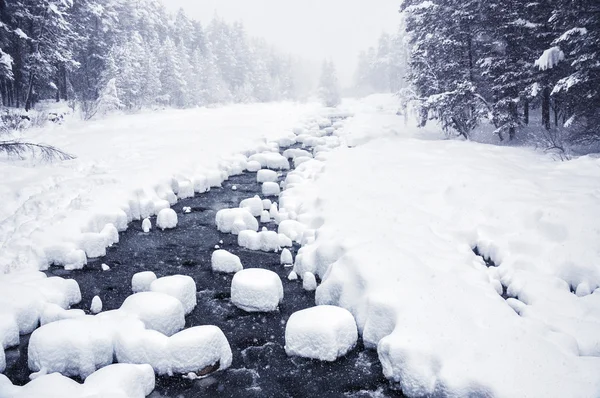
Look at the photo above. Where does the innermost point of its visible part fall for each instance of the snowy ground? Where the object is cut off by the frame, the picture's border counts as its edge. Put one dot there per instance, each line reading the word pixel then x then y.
pixel 398 213
pixel 391 220
pixel 123 163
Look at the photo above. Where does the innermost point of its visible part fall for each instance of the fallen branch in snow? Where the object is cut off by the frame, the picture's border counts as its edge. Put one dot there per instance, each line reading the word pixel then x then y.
pixel 45 152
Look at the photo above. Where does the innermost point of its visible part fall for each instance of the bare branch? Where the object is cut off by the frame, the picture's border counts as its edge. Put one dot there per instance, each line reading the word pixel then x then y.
pixel 20 149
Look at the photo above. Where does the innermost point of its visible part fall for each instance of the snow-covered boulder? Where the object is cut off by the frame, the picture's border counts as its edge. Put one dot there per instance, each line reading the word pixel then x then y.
pixel 93 244
pixel 146 225
pixel 166 219
pixel 267 204
pixel 271 189
pixel 235 220
pixel 141 281
pixel 266 176
pixel 292 276
pixel 186 189
pixel 265 217
pixel 292 229
pixel 253 166
pixel 296 153
pixel 268 241
pixel 72 347
pixel 158 311
pixel 253 205
pixel 256 290
pixel 323 332
pixel 136 345
pixel 223 261
pixel 271 160
pixel 309 282
pixel 198 348
pixel 286 257
pixel 53 313
pixel 181 287
pixel 96 306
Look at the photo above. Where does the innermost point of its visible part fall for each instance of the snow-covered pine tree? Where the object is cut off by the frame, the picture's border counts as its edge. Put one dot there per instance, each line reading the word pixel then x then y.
pixel 329 88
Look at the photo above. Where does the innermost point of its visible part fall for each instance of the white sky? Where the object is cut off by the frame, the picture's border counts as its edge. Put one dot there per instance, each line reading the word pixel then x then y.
pixel 313 29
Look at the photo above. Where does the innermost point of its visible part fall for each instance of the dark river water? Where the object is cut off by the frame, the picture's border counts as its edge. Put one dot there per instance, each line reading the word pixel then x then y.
pixel 260 366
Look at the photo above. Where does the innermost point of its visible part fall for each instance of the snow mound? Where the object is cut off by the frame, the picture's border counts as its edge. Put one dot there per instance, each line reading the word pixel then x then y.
pixel 223 261
pixel 166 219
pixel 72 347
pixel 292 229
pixel 309 281
pixel 181 287
pixel 115 381
pixel 256 290
pixel 271 160
pixel 271 189
pixel 323 332
pixel 286 257
pixel 266 176
pixel 267 241
pixel 158 311
pixel 253 205
pixel 235 220
pixel 141 281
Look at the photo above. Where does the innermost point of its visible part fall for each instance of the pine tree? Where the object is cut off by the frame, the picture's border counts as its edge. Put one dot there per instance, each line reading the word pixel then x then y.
pixel 329 89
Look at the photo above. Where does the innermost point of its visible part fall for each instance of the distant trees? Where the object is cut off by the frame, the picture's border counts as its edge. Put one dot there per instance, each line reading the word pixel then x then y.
pixel 329 87
pixel 80 51
pixel 498 60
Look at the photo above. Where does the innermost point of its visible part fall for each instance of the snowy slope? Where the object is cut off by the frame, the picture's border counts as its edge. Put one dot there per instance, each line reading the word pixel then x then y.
pixel 397 217
pixel 126 165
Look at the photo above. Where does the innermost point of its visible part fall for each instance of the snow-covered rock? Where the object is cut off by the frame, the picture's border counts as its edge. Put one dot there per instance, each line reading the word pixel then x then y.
pixel 146 225
pixel 186 190
pixel 93 244
pixel 253 166
pixel 265 217
pixel 197 348
pixel 292 229
pixel 141 281
pixel 309 282
pixel 271 189
pixel 271 160
pixel 235 220
pixel 322 332
pixel 53 313
pixel 166 219
pixel 266 175
pixel 96 306
pixel 267 204
pixel 223 261
pixel 72 347
pixel 293 276
pixel 286 257
pixel 253 205
pixel 105 267
pixel 115 381
pixel 267 241
pixel 158 311
pixel 181 287
pixel 256 290
pixel 295 153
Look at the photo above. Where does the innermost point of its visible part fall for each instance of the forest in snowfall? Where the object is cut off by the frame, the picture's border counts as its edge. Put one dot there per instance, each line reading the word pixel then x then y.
pixel 511 63
pixel 106 54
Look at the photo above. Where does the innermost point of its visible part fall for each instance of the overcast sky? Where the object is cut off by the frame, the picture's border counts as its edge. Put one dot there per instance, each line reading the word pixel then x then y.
pixel 313 29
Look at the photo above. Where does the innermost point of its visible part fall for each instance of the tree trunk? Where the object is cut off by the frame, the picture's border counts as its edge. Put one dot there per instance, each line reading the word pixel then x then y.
pixel 29 100
pixel 526 112
pixel 546 108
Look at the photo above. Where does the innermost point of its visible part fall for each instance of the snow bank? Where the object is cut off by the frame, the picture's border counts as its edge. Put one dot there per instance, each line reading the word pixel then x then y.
pixel 256 290
pixel 404 264
pixel 235 221
pixel 323 332
pixel 118 380
pixel 113 182
pixel 223 261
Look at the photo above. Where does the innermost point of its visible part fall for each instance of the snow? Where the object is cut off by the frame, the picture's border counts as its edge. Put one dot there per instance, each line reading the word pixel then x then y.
pixel 293 276
pixel 253 166
pixel 105 267
pixel 96 306
pixel 323 332
pixel 309 282
pixel 181 287
pixel 166 219
pixel 393 245
pixel 256 290
pixel 235 221
pixel 270 189
pixel 266 176
pixel 253 205
pixel 286 257
pixel 296 153
pixel 53 313
pixel 266 204
pixel 268 241
pixel 117 380
pixel 223 261
pixel 121 175
pixel 292 229
pixel 197 348
pixel 550 58
pixel 265 217
pixel 271 160
pixel 146 225
pixel 142 281
pixel 158 311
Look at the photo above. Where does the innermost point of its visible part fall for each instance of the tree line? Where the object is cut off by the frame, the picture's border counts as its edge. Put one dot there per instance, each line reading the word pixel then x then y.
pixel 128 54
pixel 502 61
